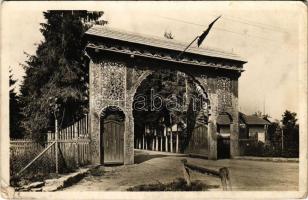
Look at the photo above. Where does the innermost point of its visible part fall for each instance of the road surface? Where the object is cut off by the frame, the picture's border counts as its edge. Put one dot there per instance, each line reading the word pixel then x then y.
pixel 246 175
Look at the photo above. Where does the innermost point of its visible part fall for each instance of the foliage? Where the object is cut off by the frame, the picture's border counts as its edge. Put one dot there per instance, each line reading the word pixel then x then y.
pixel 179 104
pixel 175 108
pixel 43 165
pixel 178 185
pixel 273 135
pixel 257 148
pixel 290 132
pixel 58 70
pixel 289 119
pixel 16 130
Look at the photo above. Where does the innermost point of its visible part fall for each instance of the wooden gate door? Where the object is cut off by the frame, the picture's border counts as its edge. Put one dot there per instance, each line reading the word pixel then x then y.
pixel 113 137
pixel 198 143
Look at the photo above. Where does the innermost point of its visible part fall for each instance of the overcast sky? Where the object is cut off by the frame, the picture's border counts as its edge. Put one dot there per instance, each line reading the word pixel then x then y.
pixel 266 34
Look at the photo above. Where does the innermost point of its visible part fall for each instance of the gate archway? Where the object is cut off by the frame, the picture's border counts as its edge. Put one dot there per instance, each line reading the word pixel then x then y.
pixel 187 99
pixel 120 61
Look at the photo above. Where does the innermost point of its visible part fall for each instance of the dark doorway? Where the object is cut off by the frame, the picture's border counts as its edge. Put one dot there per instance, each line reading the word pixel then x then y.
pixel 223 147
pixel 112 133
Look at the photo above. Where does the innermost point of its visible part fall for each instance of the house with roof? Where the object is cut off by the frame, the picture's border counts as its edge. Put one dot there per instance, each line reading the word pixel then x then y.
pixel 251 126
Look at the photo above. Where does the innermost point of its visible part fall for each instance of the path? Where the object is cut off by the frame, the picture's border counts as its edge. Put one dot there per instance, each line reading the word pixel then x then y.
pixel 157 167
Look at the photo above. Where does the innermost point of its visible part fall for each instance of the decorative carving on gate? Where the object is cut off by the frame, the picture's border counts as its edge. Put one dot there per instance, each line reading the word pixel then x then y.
pixel 224 93
pixel 214 105
pixel 113 80
pixel 203 80
pixel 137 72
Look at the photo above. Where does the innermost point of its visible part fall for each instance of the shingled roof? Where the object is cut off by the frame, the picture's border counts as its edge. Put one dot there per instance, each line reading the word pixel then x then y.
pixel 224 119
pixel 253 120
pixel 121 35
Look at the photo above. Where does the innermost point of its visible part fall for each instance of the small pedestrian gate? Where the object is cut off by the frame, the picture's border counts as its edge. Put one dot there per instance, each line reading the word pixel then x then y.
pixel 113 141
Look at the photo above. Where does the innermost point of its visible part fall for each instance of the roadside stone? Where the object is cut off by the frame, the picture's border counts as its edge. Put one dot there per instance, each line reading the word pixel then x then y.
pixel 31 186
pixel 36 190
pixel 65 181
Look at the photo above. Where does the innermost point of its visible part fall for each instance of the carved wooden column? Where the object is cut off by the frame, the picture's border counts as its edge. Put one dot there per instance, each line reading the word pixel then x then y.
pixel 234 127
pixel 129 138
pixel 212 127
pixel 212 140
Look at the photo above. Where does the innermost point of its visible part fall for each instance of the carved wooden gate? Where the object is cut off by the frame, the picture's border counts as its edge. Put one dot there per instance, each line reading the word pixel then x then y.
pixel 113 141
pixel 120 61
pixel 198 143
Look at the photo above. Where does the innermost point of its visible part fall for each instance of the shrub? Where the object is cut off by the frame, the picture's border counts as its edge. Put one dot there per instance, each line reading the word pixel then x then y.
pixel 177 185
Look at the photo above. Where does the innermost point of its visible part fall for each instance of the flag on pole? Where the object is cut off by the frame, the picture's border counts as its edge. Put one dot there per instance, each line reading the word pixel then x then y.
pixel 206 32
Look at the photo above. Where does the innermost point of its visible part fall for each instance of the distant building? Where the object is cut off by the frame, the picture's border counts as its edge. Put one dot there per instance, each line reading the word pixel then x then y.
pixel 251 126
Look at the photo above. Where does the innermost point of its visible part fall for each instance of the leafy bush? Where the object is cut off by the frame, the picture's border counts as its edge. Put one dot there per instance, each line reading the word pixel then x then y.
pixel 177 185
pixel 257 148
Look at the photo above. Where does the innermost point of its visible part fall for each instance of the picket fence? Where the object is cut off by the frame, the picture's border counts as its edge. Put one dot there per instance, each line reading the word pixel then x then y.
pixel 19 147
pixel 73 145
pixel 73 142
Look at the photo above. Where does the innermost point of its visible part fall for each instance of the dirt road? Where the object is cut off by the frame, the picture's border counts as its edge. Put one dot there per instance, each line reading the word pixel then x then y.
pixel 153 168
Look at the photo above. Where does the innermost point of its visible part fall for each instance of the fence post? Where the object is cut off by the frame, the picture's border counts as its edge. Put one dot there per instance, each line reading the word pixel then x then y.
pixel 77 151
pixel 56 150
pixel 186 173
pixel 225 178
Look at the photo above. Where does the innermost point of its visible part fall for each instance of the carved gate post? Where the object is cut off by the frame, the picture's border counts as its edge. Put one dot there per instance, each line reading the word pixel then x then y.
pixel 212 140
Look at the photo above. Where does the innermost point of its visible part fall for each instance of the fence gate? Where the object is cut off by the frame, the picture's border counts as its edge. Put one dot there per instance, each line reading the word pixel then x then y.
pixel 113 141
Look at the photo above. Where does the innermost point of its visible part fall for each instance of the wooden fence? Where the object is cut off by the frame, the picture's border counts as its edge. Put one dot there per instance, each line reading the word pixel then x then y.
pixel 21 146
pixel 73 146
pixel 73 142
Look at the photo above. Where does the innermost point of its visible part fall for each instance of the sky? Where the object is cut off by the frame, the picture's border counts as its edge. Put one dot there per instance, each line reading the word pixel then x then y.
pixel 266 34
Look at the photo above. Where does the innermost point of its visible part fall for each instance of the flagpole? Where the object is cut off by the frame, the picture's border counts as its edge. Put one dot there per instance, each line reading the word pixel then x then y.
pixel 187 47
pixel 201 37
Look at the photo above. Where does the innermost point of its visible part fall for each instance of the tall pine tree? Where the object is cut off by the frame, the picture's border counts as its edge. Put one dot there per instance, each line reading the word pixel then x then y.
pixel 58 70
pixel 15 110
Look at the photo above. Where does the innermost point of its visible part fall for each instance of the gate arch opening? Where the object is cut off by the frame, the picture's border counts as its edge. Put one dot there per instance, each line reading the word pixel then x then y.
pixel 165 131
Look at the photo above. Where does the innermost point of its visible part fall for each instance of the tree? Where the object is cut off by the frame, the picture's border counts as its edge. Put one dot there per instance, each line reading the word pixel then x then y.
pixel 58 70
pixel 290 133
pixel 261 115
pixel 170 86
pixel 15 110
pixel 289 119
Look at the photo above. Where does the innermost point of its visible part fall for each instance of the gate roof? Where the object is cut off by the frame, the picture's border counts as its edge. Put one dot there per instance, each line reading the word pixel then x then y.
pixel 169 45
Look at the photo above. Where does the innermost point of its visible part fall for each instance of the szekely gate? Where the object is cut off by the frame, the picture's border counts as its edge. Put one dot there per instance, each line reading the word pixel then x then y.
pixel 120 61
